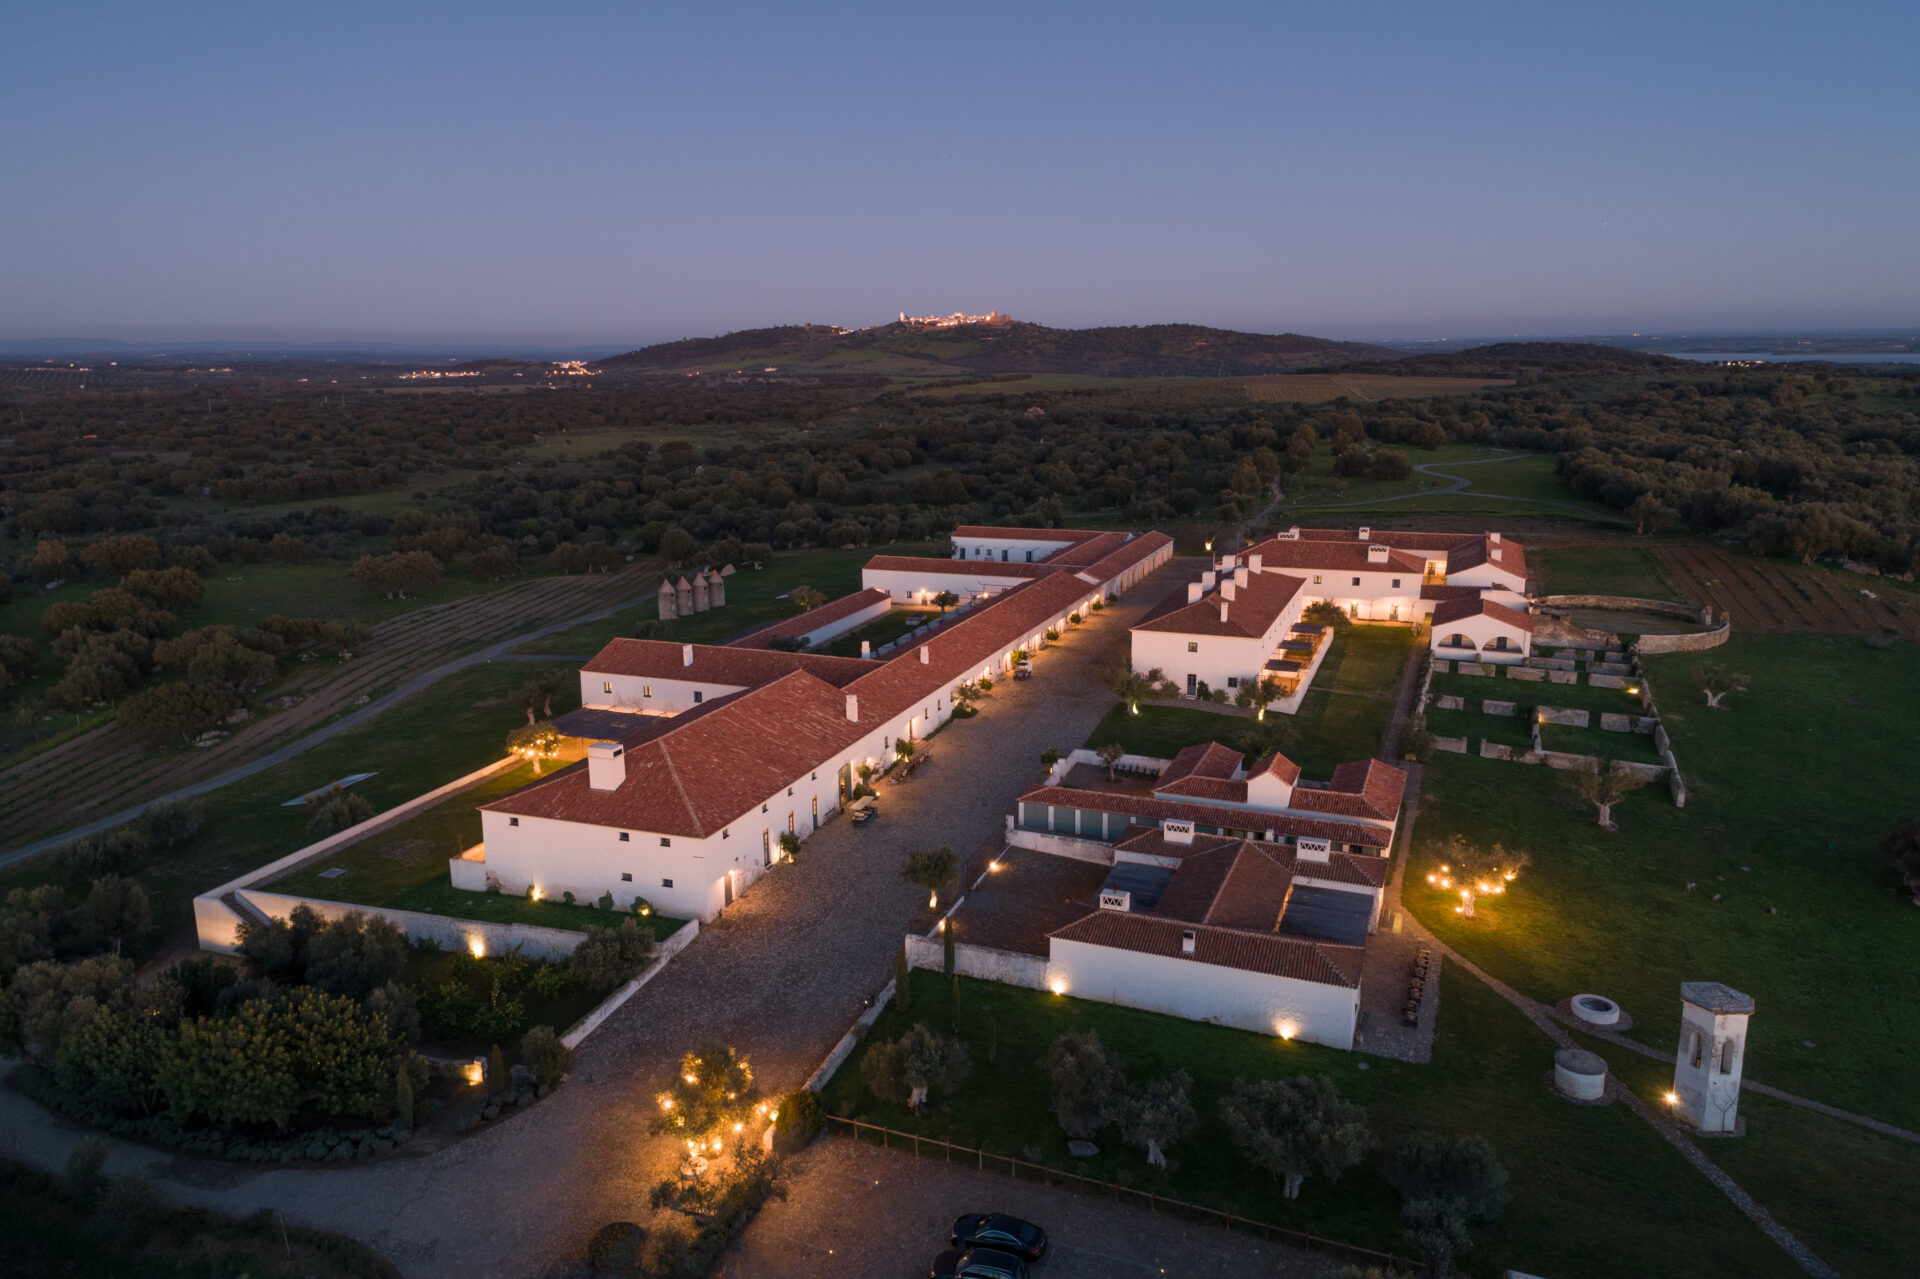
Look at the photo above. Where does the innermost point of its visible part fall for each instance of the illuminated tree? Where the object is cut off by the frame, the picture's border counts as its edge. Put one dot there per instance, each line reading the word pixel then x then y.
pixel 1111 755
pixel 807 598
pixel 1126 684
pixel 535 742
pixel 946 600
pixel 1475 871
pixel 932 871
pixel 710 1100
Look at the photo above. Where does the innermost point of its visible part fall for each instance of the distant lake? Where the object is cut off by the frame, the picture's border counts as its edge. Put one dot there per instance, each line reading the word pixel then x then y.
pixel 1717 357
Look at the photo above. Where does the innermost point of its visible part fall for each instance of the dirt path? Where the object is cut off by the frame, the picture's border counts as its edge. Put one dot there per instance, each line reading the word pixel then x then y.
pixel 107 779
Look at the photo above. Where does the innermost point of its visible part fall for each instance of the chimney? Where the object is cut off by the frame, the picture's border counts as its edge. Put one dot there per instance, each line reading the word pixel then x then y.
pixel 1227 589
pixel 606 765
pixel 1240 576
pixel 1223 609
pixel 1194 592
pixel 926 656
pixel 1207 579
pixel 1229 562
pixel 853 708
pixel 1494 555
pixel 1494 538
pixel 1366 534
pixel 866 648
pixel 1253 563
pixel 1377 552
pixel 686 655
pixel 1186 941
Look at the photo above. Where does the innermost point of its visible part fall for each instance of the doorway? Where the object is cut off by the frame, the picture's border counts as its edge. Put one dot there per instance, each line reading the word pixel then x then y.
pixel 727 881
pixel 1193 686
pixel 766 847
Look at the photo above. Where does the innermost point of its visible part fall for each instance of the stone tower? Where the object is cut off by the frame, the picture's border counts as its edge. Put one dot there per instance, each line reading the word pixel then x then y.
pixel 700 600
pixel 669 602
pixel 684 590
pixel 1712 1055
pixel 717 589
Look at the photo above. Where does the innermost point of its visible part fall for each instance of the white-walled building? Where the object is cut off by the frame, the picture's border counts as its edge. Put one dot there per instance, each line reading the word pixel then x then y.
pixel 987 561
pixel 1480 630
pixel 712 752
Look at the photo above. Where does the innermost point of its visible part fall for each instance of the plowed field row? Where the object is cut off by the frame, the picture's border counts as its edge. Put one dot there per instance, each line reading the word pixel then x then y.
pixel 104 771
pixel 1762 596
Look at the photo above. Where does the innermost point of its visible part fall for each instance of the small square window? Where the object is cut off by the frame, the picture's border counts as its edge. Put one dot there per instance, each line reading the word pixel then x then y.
pixel 666 883
pixel 816 777
pixel 1233 681
pixel 665 842
pixel 789 792
pixel 1356 581
pixel 624 837
pixel 513 821
pixel 646 690
pixel 725 833
pixel 1193 646
pixel 699 697
pixel 1316 579
pixel 606 686
pixel 625 877
pixel 763 808
pixel 1396 583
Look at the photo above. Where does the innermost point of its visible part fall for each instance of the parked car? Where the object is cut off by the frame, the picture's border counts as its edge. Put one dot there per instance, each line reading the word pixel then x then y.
pixel 998 1231
pixel 977 1263
pixel 1023 669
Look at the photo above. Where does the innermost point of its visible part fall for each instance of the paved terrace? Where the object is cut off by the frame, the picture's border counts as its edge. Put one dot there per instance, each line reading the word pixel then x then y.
pixel 781 975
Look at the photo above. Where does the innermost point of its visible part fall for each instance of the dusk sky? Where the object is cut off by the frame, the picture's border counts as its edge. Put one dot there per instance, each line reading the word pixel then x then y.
pixel 631 172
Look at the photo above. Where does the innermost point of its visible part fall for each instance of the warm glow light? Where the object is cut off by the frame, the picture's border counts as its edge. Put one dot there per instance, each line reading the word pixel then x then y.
pixel 1287 1030
pixel 690 1079
pixel 534 892
pixel 993 865
pixel 1672 1098
pixel 1432 878
pixel 1057 985
pixel 693 1147
pixel 475 1072
pixel 666 1103
pixel 646 910
pixel 1512 874
pixel 738 1127
pixel 774 1116
pixel 933 901
pixel 477 946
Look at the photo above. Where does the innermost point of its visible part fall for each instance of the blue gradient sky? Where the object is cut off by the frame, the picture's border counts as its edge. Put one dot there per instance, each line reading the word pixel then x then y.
pixel 636 171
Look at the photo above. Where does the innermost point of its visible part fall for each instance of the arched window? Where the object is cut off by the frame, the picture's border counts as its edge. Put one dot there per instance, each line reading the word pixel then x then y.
pixel 1499 642
pixel 1459 641
pixel 1726 1057
pixel 1695 1054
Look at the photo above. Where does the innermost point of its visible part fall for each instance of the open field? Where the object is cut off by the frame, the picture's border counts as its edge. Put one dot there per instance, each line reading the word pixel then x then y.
pixel 1763 595
pixel 1623 1185
pixel 1770 879
pixel 1609 568
pixel 1282 388
pixel 102 770
pixel 444 732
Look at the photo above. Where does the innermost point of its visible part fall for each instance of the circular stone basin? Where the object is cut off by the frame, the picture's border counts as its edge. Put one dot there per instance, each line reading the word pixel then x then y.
pixel 1595 1010
pixel 1580 1074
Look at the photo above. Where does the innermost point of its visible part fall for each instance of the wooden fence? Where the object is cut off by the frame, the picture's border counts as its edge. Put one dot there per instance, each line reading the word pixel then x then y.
pixel 987 1161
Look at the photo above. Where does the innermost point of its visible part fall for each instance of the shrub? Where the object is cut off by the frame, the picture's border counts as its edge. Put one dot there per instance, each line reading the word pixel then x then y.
pixel 797 1120
pixel 1416 742
pixel 610 956
pixel 172 821
pixel 355 954
pixel 1088 1090
pixel 87 1173
pixel 604 902
pixel 178 710
pixel 335 810
pixel 544 1056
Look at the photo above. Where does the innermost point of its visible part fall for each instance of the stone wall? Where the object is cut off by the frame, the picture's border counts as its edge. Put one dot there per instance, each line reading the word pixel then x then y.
pixel 1566 716
pixel 1696 643
pixel 1528 673
pixel 1010 968
pixel 455 934
pixel 1452 745
pixel 1629 604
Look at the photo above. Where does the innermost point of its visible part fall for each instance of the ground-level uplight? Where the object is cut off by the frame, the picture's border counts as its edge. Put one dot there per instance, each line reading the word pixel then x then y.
pixel 1057 985
pixel 477 946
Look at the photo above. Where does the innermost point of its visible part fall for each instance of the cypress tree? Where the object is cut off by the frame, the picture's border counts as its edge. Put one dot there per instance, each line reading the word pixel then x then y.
pixel 403 1097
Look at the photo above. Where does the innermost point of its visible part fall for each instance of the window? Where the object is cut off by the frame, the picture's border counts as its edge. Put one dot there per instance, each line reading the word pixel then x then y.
pixel 1193 646
pixel 646 690
pixel 698 697
pixel 789 792
pixel 625 877
pixel 1396 583
pixel 725 833
pixel 666 883
pixel 1233 681
pixel 815 776
pixel 763 808
pixel 1316 579
pixel 1696 1050
pixel 665 842
pixel 1356 581
pixel 606 686
pixel 1726 1057
pixel 513 821
pixel 625 837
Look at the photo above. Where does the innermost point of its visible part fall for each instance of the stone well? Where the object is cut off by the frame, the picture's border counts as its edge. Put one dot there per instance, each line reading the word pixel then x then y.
pixel 1580 1074
pixel 1595 1010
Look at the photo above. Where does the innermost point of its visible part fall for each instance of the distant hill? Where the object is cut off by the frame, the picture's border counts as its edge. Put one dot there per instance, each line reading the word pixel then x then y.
pixel 1157 350
pixel 1503 359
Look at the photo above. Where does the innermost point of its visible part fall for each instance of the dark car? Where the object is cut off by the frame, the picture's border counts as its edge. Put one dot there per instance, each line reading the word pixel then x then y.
pixel 998 1231
pixel 978 1263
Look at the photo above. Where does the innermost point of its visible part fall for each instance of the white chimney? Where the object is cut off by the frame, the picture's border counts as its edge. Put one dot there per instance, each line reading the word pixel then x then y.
pixel 1494 538
pixel 1240 576
pixel 1194 592
pixel 866 648
pixel 1187 941
pixel 1116 899
pixel 1365 534
pixel 1227 589
pixel 686 655
pixel 1229 562
pixel 1223 609
pixel 606 765
pixel 1377 552
pixel 1494 555
pixel 1307 848
pixel 853 708
pixel 1291 535
pixel 1207 579
pixel 926 657
pixel 1253 562
pixel 1177 830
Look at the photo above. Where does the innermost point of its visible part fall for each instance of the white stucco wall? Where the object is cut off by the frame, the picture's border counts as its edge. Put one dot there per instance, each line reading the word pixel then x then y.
pixel 1205 992
pixel 661 696
pixel 1481 630
pixel 1016 550
pixel 920 585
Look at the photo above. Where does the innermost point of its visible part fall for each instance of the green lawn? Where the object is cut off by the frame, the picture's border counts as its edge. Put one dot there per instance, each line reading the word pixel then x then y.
pixel 1318 484
pixel 1329 730
pixel 1616 568
pixel 1791 787
pixel 1598 742
pixel 1579 697
pixel 754 598
pixel 1365 659
pixel 1580 1174
pixel 884 629
pixel 444 732
pixel 1477 726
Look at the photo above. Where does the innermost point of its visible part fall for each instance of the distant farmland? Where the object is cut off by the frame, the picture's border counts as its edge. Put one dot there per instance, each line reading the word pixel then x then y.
pixel 1279 388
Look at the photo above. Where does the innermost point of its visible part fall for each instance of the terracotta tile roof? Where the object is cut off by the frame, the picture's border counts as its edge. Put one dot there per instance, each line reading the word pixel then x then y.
pixel 1090 551
pixel 1435 591
pixel 1367 788
pixel 1243 886
pixel 1116 562
pixel 1151 841
pixel 1513 557
pixel 1278 765
pixel 814 618
pixel 1362 870
pixel 1251 611
pixel 968 570
pixel 1151 808
pixel 1268 953
pixel 1332 557
pixel 1011 534
pixel 1454 610
pixel 708 770
pixel 718 664
pixel 1207 759
pixel 1219 789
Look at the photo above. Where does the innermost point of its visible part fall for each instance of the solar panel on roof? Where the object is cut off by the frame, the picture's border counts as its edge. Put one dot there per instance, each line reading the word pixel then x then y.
pixel 1327 914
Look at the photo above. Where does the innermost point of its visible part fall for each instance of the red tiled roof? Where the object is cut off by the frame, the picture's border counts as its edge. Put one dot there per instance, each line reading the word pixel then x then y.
pixel 1207 759
pixel 1454 610
pixel 1513 557
pixel 1362 870
pixel 814 618
pixel 708 770
pixel 1238 887
pixel 1365 788
pixel 1269 953
pixel 1409 539
pixel 718 664
pixel 1220 789
pixel 1288 555
pixel 1278 765
pixel 1193 810
pixel 1436 591
pixel 1151 841
pixel 1250 612
pixel 1089 551
pixel 1116 562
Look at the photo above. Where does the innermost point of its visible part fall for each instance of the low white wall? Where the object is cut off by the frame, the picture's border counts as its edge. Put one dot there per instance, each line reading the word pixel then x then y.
pixel 1128 763
pixel 1009 968
pixel 1205 992
pixel 533 940
pixel 1085 850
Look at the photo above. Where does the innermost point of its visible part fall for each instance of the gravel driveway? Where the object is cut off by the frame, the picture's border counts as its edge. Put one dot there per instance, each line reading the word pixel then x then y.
pixel 781 976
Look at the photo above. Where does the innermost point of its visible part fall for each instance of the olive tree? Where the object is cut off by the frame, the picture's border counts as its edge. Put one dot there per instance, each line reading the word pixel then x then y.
pixel 1292 1127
